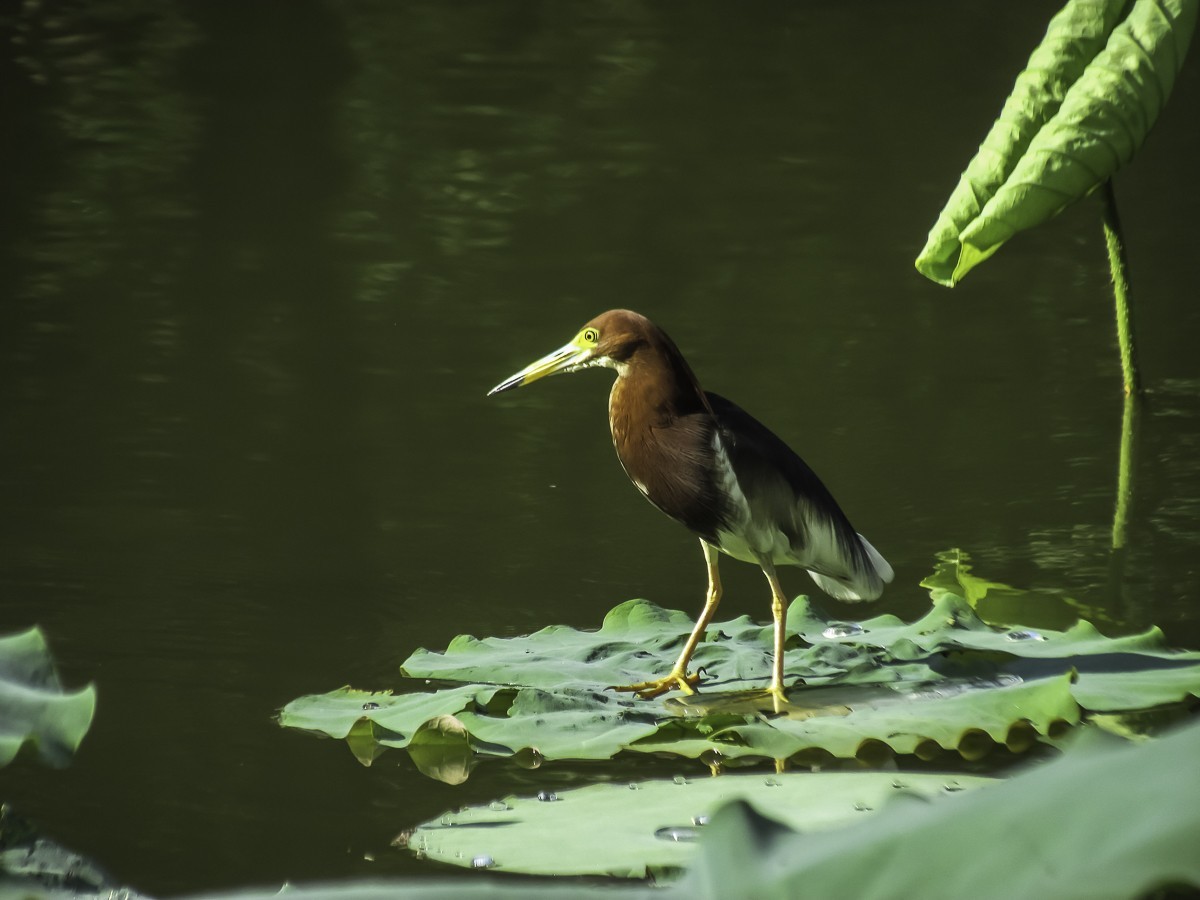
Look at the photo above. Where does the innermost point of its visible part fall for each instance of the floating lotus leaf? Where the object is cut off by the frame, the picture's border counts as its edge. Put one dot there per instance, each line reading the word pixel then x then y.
pixel 633 639
pixel 33 705
pixel 1123 673
pixel 394 718
pixel 853 834
pixel 555 725
pixel 946 682
pixel 951 624
pixel 632 830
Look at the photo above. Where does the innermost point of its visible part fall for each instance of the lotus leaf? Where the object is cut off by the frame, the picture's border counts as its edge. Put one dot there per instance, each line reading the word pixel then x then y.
pixel 947 681
pixel 1139 834
pixel 964 716
pixel 1138 837
pixel 633 637
pixel 1080 110
pixel 853 834
pixel 33 706
pixel 632 830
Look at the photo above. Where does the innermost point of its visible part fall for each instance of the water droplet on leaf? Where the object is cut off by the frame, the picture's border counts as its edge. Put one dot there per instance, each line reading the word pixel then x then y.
pixel 677 833
pixel 841 630
pixel 1024 635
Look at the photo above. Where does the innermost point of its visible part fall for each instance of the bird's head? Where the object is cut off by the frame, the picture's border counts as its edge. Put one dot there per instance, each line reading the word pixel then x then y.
pixel 610 340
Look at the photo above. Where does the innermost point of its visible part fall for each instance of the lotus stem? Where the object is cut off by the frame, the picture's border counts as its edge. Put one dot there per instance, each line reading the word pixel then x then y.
pixel 1125 472
pixel 1118 265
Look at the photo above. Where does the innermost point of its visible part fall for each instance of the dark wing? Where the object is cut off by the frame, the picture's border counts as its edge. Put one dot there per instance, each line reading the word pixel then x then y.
pixel 670 463
pixel 781 488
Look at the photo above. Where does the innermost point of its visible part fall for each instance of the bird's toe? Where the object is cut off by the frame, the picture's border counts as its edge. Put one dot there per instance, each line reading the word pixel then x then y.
pixel 647 690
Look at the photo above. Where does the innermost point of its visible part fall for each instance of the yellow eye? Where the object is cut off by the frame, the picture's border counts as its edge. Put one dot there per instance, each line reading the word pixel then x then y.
pixel 590 335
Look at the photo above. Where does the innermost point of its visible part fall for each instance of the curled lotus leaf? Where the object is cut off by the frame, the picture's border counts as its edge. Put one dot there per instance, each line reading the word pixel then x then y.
pixel 1082 108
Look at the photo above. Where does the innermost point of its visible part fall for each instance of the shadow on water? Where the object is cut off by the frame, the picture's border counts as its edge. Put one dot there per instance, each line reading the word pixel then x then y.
pixel 261 264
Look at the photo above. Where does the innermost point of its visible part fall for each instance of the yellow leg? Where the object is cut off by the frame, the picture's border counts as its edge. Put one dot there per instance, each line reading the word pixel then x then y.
pixel 779 614
pixel 679 677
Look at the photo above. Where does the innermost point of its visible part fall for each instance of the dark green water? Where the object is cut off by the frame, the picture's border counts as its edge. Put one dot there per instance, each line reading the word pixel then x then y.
pixel 260 262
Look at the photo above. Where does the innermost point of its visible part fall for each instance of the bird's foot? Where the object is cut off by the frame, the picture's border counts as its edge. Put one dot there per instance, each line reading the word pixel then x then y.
pixel 649 689
pixel 778 697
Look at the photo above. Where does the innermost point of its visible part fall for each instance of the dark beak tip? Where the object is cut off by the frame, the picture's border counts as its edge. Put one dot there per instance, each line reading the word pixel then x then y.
pixel 503 386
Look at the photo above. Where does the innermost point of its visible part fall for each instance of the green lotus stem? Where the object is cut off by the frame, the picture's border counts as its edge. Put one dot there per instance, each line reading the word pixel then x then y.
pixel 1119 266
pixel 1125 472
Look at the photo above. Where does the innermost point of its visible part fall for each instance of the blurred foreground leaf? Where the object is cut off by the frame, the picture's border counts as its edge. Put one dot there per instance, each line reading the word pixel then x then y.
pixel 1102 821
pixel 33 706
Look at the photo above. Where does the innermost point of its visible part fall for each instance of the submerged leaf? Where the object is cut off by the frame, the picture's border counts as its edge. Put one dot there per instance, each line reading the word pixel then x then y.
pixel 1050 148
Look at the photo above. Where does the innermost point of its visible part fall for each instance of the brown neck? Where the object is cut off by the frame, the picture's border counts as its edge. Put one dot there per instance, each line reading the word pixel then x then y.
pixel 654 386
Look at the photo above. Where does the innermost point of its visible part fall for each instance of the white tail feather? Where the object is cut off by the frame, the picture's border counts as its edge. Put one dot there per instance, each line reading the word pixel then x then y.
pixel 881 565
pixel 861 586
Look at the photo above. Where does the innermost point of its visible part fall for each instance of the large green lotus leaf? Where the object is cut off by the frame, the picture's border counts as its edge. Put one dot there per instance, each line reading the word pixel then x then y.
pixel 1050 148
pixel 33 705
pixel 948 681
pixel 588 722
pixel 633 830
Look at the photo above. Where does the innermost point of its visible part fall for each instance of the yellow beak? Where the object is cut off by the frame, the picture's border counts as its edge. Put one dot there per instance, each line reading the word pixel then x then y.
pixel 566 358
